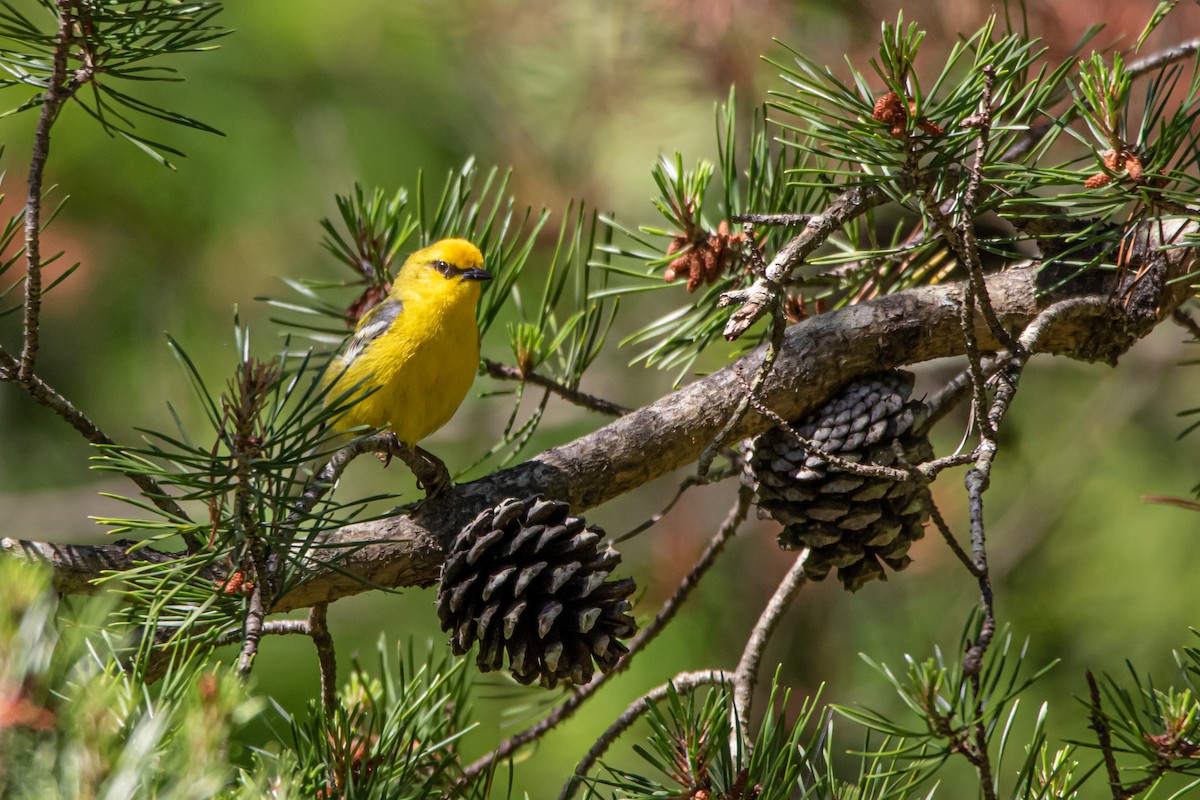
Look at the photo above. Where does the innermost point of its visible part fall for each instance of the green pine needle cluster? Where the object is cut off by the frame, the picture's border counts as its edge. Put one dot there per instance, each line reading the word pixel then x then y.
pixel 75 723
pixel 113 43
pixel 908 132
pixel 1072 175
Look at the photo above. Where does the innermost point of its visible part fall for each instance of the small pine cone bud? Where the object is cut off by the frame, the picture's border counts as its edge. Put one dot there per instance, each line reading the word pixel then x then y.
pixel 371 297
pixel 891 111
pixel 930 128
pixel 1133 166
pixel 526 580
pixel 853 523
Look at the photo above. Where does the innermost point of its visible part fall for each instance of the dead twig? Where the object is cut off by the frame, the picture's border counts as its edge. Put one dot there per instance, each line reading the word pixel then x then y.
pixel 318 629
pixel 746 675
pixel 763 295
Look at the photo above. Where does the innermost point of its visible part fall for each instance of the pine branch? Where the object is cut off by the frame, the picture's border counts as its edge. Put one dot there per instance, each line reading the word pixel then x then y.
pixel 752 392
pixel 58 91
pixel 318 629
pixel 817 356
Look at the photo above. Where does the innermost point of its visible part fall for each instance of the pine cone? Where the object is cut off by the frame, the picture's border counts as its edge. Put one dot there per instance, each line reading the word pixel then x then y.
pixel 528 579
pixel 851 522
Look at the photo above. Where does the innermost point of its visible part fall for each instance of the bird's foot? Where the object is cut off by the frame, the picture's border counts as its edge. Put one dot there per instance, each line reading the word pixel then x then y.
pixel 433 476
pixel 391 446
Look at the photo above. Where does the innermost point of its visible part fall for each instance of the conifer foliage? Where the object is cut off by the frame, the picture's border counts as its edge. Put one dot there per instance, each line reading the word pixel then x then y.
pixel 987 208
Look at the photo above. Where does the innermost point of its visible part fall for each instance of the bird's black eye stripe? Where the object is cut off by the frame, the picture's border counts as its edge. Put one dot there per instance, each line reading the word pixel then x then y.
pixel 449 270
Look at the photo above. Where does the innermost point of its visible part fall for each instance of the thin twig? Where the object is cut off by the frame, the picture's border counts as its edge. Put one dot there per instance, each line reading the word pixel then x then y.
pixel 1137 787
pixel 1100 726
pixel 683 684
pixel 930 469
pixel 1187 322
pixel 970 247
pixel 582 399
pixel 784 220
pixel 746 675
pixel 763 295
pixel 1156 60
pixel 318 627
pixel 735 518
pixel 275 627
pixel 939 522
pixel 56 93
pixel 47 396
pixel 252 632
pixel 774 345
pixel 974 362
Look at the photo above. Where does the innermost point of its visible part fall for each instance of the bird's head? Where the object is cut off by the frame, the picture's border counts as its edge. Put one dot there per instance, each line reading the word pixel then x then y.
pixel 454 260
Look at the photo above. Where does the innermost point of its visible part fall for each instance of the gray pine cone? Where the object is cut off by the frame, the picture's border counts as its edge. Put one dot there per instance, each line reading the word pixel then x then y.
pixel 527 579
pixel 852 522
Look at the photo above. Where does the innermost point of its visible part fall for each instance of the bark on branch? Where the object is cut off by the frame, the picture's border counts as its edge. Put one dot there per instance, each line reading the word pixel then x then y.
pixel 818 355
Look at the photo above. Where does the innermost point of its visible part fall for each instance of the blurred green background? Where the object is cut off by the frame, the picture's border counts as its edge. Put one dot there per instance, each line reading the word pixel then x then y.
pixel 579 98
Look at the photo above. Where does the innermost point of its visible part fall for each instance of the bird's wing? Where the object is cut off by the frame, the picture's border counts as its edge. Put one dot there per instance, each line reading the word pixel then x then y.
pixel 373 325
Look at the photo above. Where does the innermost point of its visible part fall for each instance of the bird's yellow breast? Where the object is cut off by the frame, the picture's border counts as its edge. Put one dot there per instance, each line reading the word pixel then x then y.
pixel 412 377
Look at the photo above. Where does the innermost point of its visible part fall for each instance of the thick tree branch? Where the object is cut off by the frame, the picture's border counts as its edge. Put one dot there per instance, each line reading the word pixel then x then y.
pixel 818 355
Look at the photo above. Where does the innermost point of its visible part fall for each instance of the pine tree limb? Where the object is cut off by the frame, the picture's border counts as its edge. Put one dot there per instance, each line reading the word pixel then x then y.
pixel 818 355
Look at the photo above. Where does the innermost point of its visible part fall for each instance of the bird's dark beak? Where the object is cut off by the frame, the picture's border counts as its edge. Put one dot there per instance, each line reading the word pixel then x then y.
pixel 476 274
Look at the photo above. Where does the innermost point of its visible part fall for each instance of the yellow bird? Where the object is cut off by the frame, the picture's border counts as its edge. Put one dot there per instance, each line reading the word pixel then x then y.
pixel 413 357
